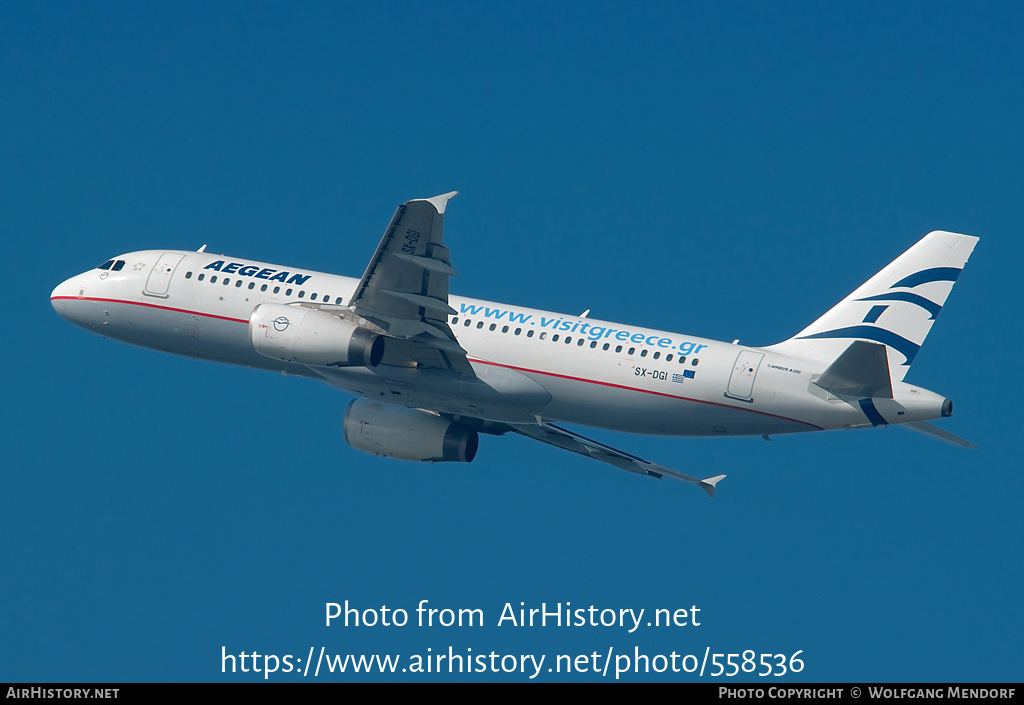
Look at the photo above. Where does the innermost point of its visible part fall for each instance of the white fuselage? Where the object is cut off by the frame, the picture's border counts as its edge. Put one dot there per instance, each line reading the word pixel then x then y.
pixel 530 364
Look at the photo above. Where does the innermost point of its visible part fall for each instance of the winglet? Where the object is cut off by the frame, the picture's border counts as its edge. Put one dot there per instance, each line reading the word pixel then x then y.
pixel 441 202
pixel 708 484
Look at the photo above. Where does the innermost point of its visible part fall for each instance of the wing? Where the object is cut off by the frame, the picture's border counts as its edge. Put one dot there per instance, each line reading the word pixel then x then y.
pixel 404 291
pixel 930 430
pixel 563 438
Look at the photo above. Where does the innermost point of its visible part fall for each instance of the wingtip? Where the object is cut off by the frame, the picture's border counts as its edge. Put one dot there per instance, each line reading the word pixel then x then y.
pixel 709 483
pixel 441 202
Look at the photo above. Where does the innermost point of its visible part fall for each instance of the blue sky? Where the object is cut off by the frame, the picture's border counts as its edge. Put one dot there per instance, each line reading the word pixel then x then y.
pixel 728 171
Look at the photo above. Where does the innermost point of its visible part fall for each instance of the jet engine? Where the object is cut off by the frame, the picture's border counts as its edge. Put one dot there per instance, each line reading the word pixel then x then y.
pixel 311 337
pixel 408 434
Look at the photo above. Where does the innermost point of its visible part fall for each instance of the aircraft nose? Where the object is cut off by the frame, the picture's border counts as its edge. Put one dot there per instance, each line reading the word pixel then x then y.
pixel 59 295
pixel 64 294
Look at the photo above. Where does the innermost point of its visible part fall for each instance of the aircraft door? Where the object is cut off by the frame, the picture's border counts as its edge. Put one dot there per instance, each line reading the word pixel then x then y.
pixel 741 382
pixel 159 281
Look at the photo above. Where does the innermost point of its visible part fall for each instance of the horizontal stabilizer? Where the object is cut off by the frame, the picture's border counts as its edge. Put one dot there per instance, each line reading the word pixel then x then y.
pixel 936 432
pixel 861 371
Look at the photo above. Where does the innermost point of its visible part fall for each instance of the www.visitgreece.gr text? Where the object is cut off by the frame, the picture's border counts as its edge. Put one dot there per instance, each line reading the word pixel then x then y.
pixel 580 327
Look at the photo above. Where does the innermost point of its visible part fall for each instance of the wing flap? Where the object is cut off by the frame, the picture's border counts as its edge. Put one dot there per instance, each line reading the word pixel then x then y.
pixel 433 265
pixel 427 302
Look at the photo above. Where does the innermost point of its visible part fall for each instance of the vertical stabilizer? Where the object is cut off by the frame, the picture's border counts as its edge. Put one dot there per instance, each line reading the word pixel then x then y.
pixel 895 308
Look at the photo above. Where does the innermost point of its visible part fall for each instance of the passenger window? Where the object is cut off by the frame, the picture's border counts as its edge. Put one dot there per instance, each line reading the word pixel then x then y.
pixel 618 348
pixel 213 279
pixel 554 338
pixel 493 326
pixel 455 320
pixel 338 301
pixel 302 293
pixel 201 277
pixel 504 329
pixel 643 353
pixel 657 355
pixel 668 358
pixel 542 335
pixel 277 289
pixel 188 275
pixel 605 346
pixel 695 361
pixel 226 281
pixel 593 344
pixel 682 359
pixel 312 297
pixel 631 351
pixel 263 288
pixel 466 323
pixel 480 325
pixel 288 292
pixel 238 284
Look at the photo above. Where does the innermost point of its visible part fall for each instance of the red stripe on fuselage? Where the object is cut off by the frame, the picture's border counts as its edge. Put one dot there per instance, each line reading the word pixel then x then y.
pixel 646 391
pixel 148 305
pixel 483 362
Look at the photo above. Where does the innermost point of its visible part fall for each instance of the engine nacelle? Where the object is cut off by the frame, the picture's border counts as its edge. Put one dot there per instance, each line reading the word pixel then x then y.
pixel 311 337
pixel 408 434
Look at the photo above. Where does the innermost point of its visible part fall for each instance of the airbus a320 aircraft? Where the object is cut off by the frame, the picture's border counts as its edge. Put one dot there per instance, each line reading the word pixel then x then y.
pixel 431 371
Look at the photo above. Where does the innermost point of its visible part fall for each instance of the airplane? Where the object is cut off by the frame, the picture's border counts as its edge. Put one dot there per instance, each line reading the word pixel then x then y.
pixel 430 371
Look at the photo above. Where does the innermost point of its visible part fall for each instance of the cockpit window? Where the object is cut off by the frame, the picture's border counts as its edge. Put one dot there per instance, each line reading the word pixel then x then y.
pixel 118 266
pixel 106 265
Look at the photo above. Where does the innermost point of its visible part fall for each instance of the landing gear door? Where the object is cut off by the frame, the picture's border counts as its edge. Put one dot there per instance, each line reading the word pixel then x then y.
pixel 159 281
pixel 741 382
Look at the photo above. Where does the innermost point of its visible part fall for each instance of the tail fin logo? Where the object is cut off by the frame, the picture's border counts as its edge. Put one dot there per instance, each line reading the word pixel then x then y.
pixel 927 304
pixel 877 335
pixel 896 307
pixel 935 274
pixel 887 337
